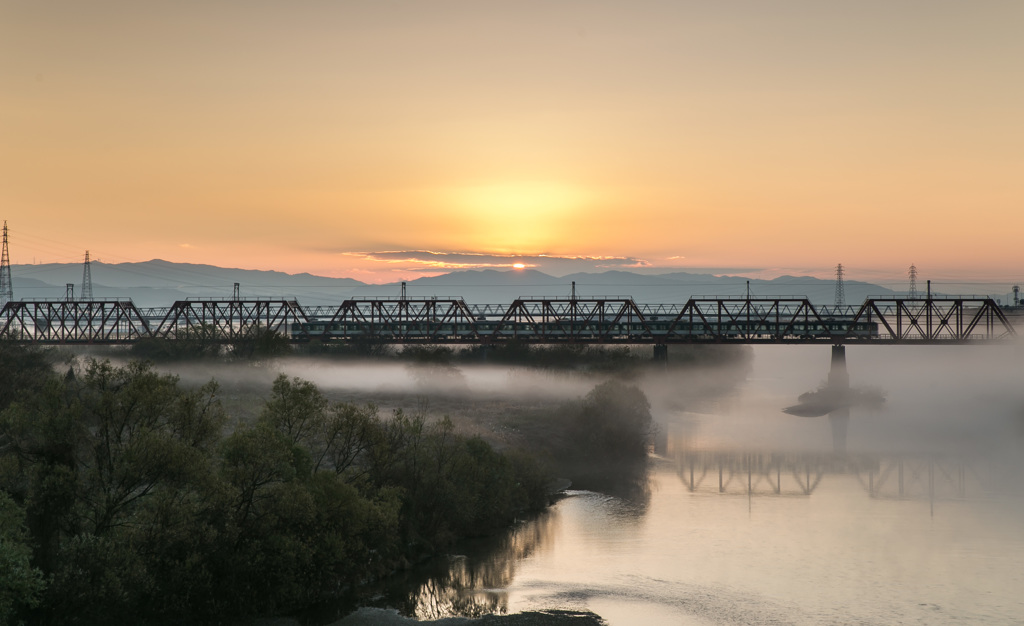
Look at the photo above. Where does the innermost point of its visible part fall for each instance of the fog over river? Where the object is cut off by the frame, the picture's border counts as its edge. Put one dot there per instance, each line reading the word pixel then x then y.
pixel 751 515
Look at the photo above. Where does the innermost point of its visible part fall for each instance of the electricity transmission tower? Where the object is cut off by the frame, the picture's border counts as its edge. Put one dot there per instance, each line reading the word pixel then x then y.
pixel 840 290
pixel 912 293
pixel 87 278
pixel 6 285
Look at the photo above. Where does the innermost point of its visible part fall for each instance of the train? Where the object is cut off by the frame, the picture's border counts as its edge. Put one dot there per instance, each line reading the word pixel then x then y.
pixel 560 330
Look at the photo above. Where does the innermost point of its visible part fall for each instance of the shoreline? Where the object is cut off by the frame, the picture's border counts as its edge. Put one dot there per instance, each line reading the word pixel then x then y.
pixel 547 617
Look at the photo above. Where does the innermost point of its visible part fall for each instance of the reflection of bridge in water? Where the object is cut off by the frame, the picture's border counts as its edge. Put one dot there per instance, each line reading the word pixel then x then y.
pixel 572 320
pixel 744 472
pixel 751 472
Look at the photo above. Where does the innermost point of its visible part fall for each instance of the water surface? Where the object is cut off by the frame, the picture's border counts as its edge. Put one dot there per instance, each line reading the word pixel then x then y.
pixel 751 515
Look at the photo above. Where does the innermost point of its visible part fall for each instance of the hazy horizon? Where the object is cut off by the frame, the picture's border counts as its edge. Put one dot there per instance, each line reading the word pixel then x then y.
pixel 889 281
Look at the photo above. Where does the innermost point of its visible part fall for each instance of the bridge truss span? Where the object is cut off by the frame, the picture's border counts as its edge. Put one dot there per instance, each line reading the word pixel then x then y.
pixel 752 320
pixel 228 320
pixel 426 320
pixel 75 321
pixel 613 320
pixel 936 320
pixel 574 320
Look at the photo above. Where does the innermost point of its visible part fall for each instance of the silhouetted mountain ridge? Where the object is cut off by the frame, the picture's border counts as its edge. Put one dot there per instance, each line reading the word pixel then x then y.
pixel 160 283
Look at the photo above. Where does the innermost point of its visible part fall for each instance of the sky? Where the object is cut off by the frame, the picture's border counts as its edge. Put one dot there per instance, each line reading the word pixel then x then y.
pixel 384 140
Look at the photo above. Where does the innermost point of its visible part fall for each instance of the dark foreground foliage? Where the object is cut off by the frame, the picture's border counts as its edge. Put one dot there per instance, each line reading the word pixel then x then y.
pixel 23 371
pixel 125 498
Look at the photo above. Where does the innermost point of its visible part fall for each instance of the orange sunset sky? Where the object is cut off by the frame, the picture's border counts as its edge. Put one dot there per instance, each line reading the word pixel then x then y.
pixel 390 139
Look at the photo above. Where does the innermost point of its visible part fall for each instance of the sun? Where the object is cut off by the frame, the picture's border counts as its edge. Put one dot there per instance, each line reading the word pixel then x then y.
pixel 519 266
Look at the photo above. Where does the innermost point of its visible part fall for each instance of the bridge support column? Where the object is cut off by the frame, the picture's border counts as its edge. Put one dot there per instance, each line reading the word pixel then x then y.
pixel 839 383
pixel 660 353
pixel 838 377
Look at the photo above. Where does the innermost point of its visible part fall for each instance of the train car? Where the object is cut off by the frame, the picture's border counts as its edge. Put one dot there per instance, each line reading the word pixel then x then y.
pixel 585 330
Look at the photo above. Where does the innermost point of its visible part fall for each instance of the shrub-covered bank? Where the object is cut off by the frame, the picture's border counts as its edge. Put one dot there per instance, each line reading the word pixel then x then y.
pixel 204 344
pixel 129 499
pixel 593 358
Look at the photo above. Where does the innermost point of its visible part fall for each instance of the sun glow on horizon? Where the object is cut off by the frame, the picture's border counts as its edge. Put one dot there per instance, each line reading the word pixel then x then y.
pixel 518 216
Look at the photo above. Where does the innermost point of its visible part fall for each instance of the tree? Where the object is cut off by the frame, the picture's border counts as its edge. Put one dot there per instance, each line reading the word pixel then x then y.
pixel 614 423
pixel 296 409
pixel 91 452
pixel 142 431
pixel 23 371
pixel 20 582
pixel 140 510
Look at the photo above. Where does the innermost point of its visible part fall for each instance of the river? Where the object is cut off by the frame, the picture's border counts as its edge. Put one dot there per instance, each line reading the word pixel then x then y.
pixel 751 515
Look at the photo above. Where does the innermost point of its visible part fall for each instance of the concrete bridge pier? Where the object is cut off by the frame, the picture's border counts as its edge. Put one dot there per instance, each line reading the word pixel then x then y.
pixel 838 377
pixel 661 353
pixel 839 384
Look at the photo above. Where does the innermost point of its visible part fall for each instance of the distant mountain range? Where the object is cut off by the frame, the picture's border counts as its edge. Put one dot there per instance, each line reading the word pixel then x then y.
pixel 160 283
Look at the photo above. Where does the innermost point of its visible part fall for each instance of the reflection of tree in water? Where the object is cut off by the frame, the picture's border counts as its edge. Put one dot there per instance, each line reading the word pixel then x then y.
pixel 437 598
pixel 473 584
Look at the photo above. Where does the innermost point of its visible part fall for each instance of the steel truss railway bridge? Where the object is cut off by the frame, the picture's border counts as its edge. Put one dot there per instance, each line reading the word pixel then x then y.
pixel 568 320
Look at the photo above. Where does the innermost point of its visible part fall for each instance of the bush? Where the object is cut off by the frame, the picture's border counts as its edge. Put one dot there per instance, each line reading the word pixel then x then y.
pixel 613 423
pixel 598 442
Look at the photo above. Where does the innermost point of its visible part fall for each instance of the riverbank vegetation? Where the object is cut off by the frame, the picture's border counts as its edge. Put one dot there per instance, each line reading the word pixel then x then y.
pixel 598 442
pixel 568 356
pixel 205 343
pixel 128 497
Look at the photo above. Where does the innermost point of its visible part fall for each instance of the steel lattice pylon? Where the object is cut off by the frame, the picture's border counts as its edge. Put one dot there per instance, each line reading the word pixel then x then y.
pixel 87 278
pixel 840 290
pixel 6 284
